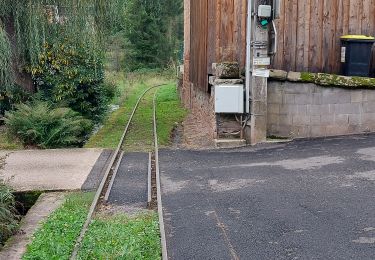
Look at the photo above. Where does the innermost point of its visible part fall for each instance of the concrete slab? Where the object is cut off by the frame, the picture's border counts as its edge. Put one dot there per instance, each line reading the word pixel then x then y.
pixel 64 169
pixel 45 205
pixel 308 199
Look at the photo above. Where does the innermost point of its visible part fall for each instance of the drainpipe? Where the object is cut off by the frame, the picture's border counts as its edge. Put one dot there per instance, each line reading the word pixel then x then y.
pixel 249 32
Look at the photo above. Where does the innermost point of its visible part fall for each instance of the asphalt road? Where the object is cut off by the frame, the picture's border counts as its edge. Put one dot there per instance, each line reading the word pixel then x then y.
pixel 311 199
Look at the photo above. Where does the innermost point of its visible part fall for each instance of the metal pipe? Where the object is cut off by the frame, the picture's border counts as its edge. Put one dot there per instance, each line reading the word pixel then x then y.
pixel 249 31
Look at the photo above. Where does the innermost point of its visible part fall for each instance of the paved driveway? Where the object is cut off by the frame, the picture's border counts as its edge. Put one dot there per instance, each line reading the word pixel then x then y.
pixel 302 200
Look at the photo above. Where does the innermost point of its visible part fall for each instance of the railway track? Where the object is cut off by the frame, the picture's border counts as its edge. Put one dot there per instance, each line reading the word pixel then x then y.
pixel 154 187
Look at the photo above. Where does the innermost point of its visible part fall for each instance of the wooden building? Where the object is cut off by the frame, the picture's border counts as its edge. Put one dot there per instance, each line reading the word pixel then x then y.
pixel 308 34
pixel 308 40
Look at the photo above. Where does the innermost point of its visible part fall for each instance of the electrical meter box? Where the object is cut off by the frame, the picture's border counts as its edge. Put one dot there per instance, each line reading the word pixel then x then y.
pixel 264 11
pixel 229 99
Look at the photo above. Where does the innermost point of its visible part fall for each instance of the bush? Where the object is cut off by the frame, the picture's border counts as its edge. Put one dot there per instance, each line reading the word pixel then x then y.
pixel 39 124
pixel 8 214
pixel 72 74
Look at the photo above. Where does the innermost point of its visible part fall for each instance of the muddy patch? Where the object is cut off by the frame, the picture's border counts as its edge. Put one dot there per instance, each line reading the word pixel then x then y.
pixel 218 186
pixel 365 240
pixel 170 186
pixel 310 163
pixel 369 176
pixel 367 154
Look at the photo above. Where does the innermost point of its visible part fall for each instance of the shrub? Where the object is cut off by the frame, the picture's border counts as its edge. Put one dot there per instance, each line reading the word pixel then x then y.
pixel 39 124
pixel 8 214
pixel 72 74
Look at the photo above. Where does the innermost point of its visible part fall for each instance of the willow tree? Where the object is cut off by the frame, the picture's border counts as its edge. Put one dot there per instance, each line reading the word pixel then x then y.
pixel 27 25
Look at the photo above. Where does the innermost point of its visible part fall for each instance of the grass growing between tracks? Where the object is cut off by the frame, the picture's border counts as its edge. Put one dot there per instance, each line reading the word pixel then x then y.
pixel 56 237
pixel 131 86
pixel 122 237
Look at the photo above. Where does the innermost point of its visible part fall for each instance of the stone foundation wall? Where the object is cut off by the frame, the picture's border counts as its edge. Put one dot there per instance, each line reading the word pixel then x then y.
pixel 300 110
pixel 200 125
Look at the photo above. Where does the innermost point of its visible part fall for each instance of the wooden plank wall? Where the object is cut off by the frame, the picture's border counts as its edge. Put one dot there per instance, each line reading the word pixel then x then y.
pixel 198 43
pixel 310 30
pixel 217 34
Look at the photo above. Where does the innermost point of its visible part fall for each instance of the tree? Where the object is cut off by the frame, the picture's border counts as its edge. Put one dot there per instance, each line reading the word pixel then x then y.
pixel 152 30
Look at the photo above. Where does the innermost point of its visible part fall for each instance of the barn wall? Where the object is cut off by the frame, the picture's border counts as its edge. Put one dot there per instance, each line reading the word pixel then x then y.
pixel 310 30
pixel 215 31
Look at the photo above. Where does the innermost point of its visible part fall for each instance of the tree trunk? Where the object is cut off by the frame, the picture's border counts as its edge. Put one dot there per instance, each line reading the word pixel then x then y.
pixel 21 78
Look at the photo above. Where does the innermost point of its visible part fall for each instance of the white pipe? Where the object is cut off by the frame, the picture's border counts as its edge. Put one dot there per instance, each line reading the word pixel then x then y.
pixel 248 53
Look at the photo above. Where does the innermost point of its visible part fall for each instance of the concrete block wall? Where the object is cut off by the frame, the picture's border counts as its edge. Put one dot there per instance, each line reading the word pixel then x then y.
pixel 300 110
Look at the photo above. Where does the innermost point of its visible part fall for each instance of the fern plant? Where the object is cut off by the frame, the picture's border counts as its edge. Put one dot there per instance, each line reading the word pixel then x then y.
pixel 8 214
pixel 40 124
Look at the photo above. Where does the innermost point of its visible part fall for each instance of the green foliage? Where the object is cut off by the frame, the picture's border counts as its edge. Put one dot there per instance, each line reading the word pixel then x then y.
pixel 8 215
pixel 56 238
pixel 131 86
pixel 5 61
pixel 153 32
pixel 38 21
pixel 121 237
pixel 170 113
pixel 39 124
pixel 72 75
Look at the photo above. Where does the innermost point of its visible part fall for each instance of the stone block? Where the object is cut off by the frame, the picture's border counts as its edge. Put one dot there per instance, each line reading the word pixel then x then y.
pixel 285 120
pixel 333 130
pixel 226 70
pixel 216 81
pixel 278 75
pixel 300 131
pixel 274 97
pixel 317 131
pixel 356 96
pixel 315 120
pixel 301 120
pixel 369 107
pixel 335 97
pixel 303 99
pixel 349 108
pixel 316 110
pixel 293 109
pixel 289 99
pixel 368 118
pixel 368 95
pixel 273 119
pixel 317 98
pixel 355 119
pixel 273 109
pixel 327 119
pixel 294 76
pixel 297 88
pixel 342 119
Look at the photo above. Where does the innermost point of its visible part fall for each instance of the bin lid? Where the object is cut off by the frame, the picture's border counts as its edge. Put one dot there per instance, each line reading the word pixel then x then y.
pixel 357 37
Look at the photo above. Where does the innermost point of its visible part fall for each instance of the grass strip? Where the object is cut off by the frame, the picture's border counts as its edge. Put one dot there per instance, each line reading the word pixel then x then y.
pixel 56 237
pixel 170 113
pixel 132 87
pixel 140 136
pixel 122 237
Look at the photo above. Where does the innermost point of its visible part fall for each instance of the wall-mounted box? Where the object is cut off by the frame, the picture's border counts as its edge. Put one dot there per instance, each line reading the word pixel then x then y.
pixel 229 99
pixel 264 11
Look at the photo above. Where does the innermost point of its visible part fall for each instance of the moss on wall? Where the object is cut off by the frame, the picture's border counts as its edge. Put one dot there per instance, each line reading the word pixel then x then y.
pixel 328 80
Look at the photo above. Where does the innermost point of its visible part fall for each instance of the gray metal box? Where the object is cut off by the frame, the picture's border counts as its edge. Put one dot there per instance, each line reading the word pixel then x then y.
pixel 229 99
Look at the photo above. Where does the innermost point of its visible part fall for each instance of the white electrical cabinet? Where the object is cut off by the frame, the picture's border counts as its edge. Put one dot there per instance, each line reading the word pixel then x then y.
pixel 229 99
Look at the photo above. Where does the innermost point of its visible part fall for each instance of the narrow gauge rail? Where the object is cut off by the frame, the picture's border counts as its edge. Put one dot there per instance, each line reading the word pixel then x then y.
pixel 104 189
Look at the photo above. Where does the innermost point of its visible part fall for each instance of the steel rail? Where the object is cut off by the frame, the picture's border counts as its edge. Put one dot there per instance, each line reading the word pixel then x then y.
pixel 112 167
pixel 158 186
